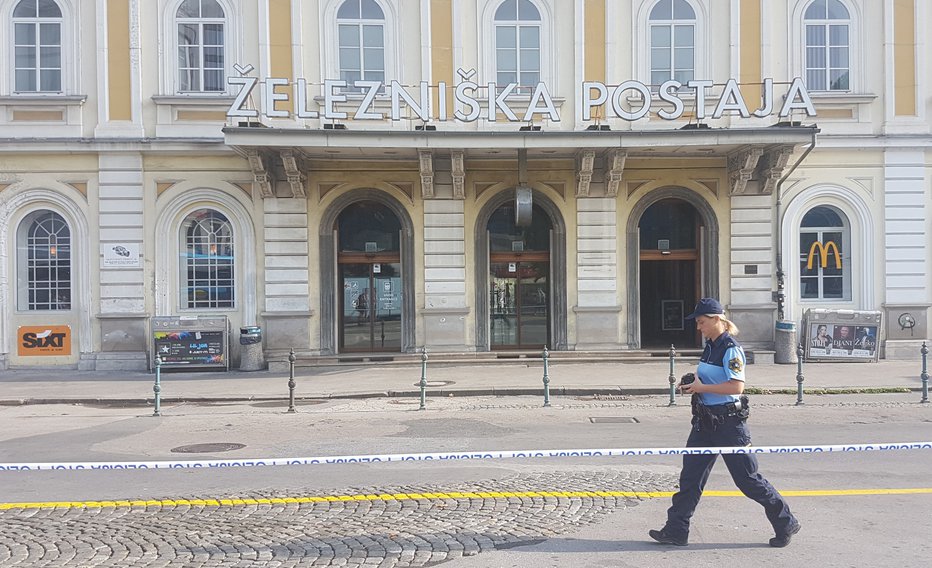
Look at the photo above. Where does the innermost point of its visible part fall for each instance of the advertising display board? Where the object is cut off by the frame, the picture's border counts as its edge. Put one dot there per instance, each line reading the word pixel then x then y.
pixel 195 341
pixel 842 335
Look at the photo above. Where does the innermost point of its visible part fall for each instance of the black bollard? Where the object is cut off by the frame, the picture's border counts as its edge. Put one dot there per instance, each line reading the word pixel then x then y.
pixel 672 377
pixel 799 374
pixel 291 360
pixel 925 375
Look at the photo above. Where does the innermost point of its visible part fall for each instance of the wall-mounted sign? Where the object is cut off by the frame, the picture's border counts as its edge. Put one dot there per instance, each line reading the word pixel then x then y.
pixel 191 347
pixel 672 316
pixel 44 341
pixel 842 335
pixel 823 249
pixel 121 254
pixel 471 101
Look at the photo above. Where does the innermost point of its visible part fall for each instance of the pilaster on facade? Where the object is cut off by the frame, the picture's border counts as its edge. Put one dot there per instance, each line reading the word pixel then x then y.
pixel 286 256
pixel 752 268
pixel 445 307
pixel 597 308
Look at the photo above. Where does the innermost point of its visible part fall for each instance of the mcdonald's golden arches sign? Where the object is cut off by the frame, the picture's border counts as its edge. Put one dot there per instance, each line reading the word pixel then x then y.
pixel 824 250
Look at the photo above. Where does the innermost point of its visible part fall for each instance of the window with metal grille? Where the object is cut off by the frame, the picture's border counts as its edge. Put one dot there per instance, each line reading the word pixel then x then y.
pixel 200 25
pixel 208 261
pixel 827 24
pixel 44 260
pixel 37 55
pixel 672 42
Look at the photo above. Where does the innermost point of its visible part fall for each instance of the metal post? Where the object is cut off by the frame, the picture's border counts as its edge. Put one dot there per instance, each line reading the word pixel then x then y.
pixel 799 374
pixel 157 388
pixel 672 377
pixel 423 383
pixel 291 360
pixel 925 375
pixel 546 378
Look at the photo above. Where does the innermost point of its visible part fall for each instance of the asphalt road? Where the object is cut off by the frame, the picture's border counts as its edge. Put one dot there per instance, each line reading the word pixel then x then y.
pixel 511 528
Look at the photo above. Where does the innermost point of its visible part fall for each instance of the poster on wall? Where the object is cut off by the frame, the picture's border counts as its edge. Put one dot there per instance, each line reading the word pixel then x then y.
pixel 672 315
pixel 43 341
pixel 191 347
pixel 841 341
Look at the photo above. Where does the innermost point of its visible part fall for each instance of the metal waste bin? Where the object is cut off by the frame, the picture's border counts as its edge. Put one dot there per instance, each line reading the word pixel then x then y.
pixel 785 343
pixel 251 357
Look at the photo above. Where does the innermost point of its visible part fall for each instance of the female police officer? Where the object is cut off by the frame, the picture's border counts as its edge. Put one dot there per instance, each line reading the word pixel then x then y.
pixel 719 414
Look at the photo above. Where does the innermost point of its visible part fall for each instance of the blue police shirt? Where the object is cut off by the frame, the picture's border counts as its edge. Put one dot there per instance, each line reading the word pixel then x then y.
pixel 722 360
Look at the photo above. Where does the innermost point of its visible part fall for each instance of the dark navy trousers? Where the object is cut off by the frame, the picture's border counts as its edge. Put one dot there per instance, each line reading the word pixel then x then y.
pixel 743 470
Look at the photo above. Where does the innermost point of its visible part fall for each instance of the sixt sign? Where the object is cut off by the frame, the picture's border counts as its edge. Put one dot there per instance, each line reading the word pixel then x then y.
pixel 53 340
pixel 630 100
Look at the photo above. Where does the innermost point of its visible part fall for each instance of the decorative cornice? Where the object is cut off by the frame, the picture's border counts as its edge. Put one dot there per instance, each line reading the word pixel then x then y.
pixel 458 169
pixel 426 166
pixel 741 166
pixel 771 166
pixel 261 174
pixel 585 160
pixel 615 169
pixel 296 178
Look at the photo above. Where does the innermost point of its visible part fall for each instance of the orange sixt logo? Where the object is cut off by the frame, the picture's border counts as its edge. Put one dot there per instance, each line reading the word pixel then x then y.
pixel 51 340
pixel 824 250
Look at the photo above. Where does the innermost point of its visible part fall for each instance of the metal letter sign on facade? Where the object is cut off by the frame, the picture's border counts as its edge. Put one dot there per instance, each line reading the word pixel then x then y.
pixel 824 250
pixel 468 100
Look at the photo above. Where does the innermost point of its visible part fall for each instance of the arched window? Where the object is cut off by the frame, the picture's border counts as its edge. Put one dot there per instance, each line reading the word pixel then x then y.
pixel 208 261
pixel 672 42
pixel 37 47
pixel 827 24
pixel 518 43
pixel 201 44
pixel 824 255
pixel 361 39
pixel 44 262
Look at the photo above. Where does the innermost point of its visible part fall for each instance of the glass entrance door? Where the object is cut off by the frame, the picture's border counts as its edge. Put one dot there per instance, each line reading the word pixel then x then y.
pixel 371 306
pixel 519 303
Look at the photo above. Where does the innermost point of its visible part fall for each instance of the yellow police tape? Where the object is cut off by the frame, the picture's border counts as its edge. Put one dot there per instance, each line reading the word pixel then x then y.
pixel 433 497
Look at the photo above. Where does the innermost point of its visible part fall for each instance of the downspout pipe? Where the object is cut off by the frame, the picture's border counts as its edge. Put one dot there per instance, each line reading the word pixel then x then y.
pixel 781 285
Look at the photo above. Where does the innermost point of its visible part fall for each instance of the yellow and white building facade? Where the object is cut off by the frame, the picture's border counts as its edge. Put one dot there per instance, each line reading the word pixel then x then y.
pixel 378 176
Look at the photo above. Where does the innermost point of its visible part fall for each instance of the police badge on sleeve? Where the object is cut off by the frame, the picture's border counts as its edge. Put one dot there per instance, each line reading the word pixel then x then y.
pixel 736 365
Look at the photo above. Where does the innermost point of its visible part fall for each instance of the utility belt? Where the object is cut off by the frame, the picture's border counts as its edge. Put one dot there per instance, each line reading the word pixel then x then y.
pixel 711 417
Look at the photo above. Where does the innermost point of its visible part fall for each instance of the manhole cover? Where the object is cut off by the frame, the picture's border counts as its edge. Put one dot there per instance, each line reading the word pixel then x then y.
pixel 436 383
pixel 613 420
pixel 207 448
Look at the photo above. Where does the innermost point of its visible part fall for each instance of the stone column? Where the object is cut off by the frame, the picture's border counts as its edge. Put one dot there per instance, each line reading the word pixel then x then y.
pixel 597 310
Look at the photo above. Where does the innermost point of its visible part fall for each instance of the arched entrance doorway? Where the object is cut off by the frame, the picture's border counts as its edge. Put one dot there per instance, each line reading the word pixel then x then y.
pixel 669 272
pixel 519 280
pixel 370 279
pixel 672 236
pixel 520 276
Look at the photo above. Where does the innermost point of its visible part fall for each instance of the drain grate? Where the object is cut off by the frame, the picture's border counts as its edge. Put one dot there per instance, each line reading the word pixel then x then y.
pixel 614 420
pixel 208 448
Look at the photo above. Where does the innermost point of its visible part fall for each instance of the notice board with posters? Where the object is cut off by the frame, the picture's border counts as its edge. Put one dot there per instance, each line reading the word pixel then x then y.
pixel 191 341
pixel 842 335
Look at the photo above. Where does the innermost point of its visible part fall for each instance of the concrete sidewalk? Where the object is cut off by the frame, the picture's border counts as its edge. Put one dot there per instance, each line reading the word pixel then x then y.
pixel 519 377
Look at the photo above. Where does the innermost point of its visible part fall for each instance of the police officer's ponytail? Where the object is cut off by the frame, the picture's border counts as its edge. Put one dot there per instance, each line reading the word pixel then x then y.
pixel 730 326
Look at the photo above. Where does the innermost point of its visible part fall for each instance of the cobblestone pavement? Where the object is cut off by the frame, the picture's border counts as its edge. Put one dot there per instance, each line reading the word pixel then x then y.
pixel 377 532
